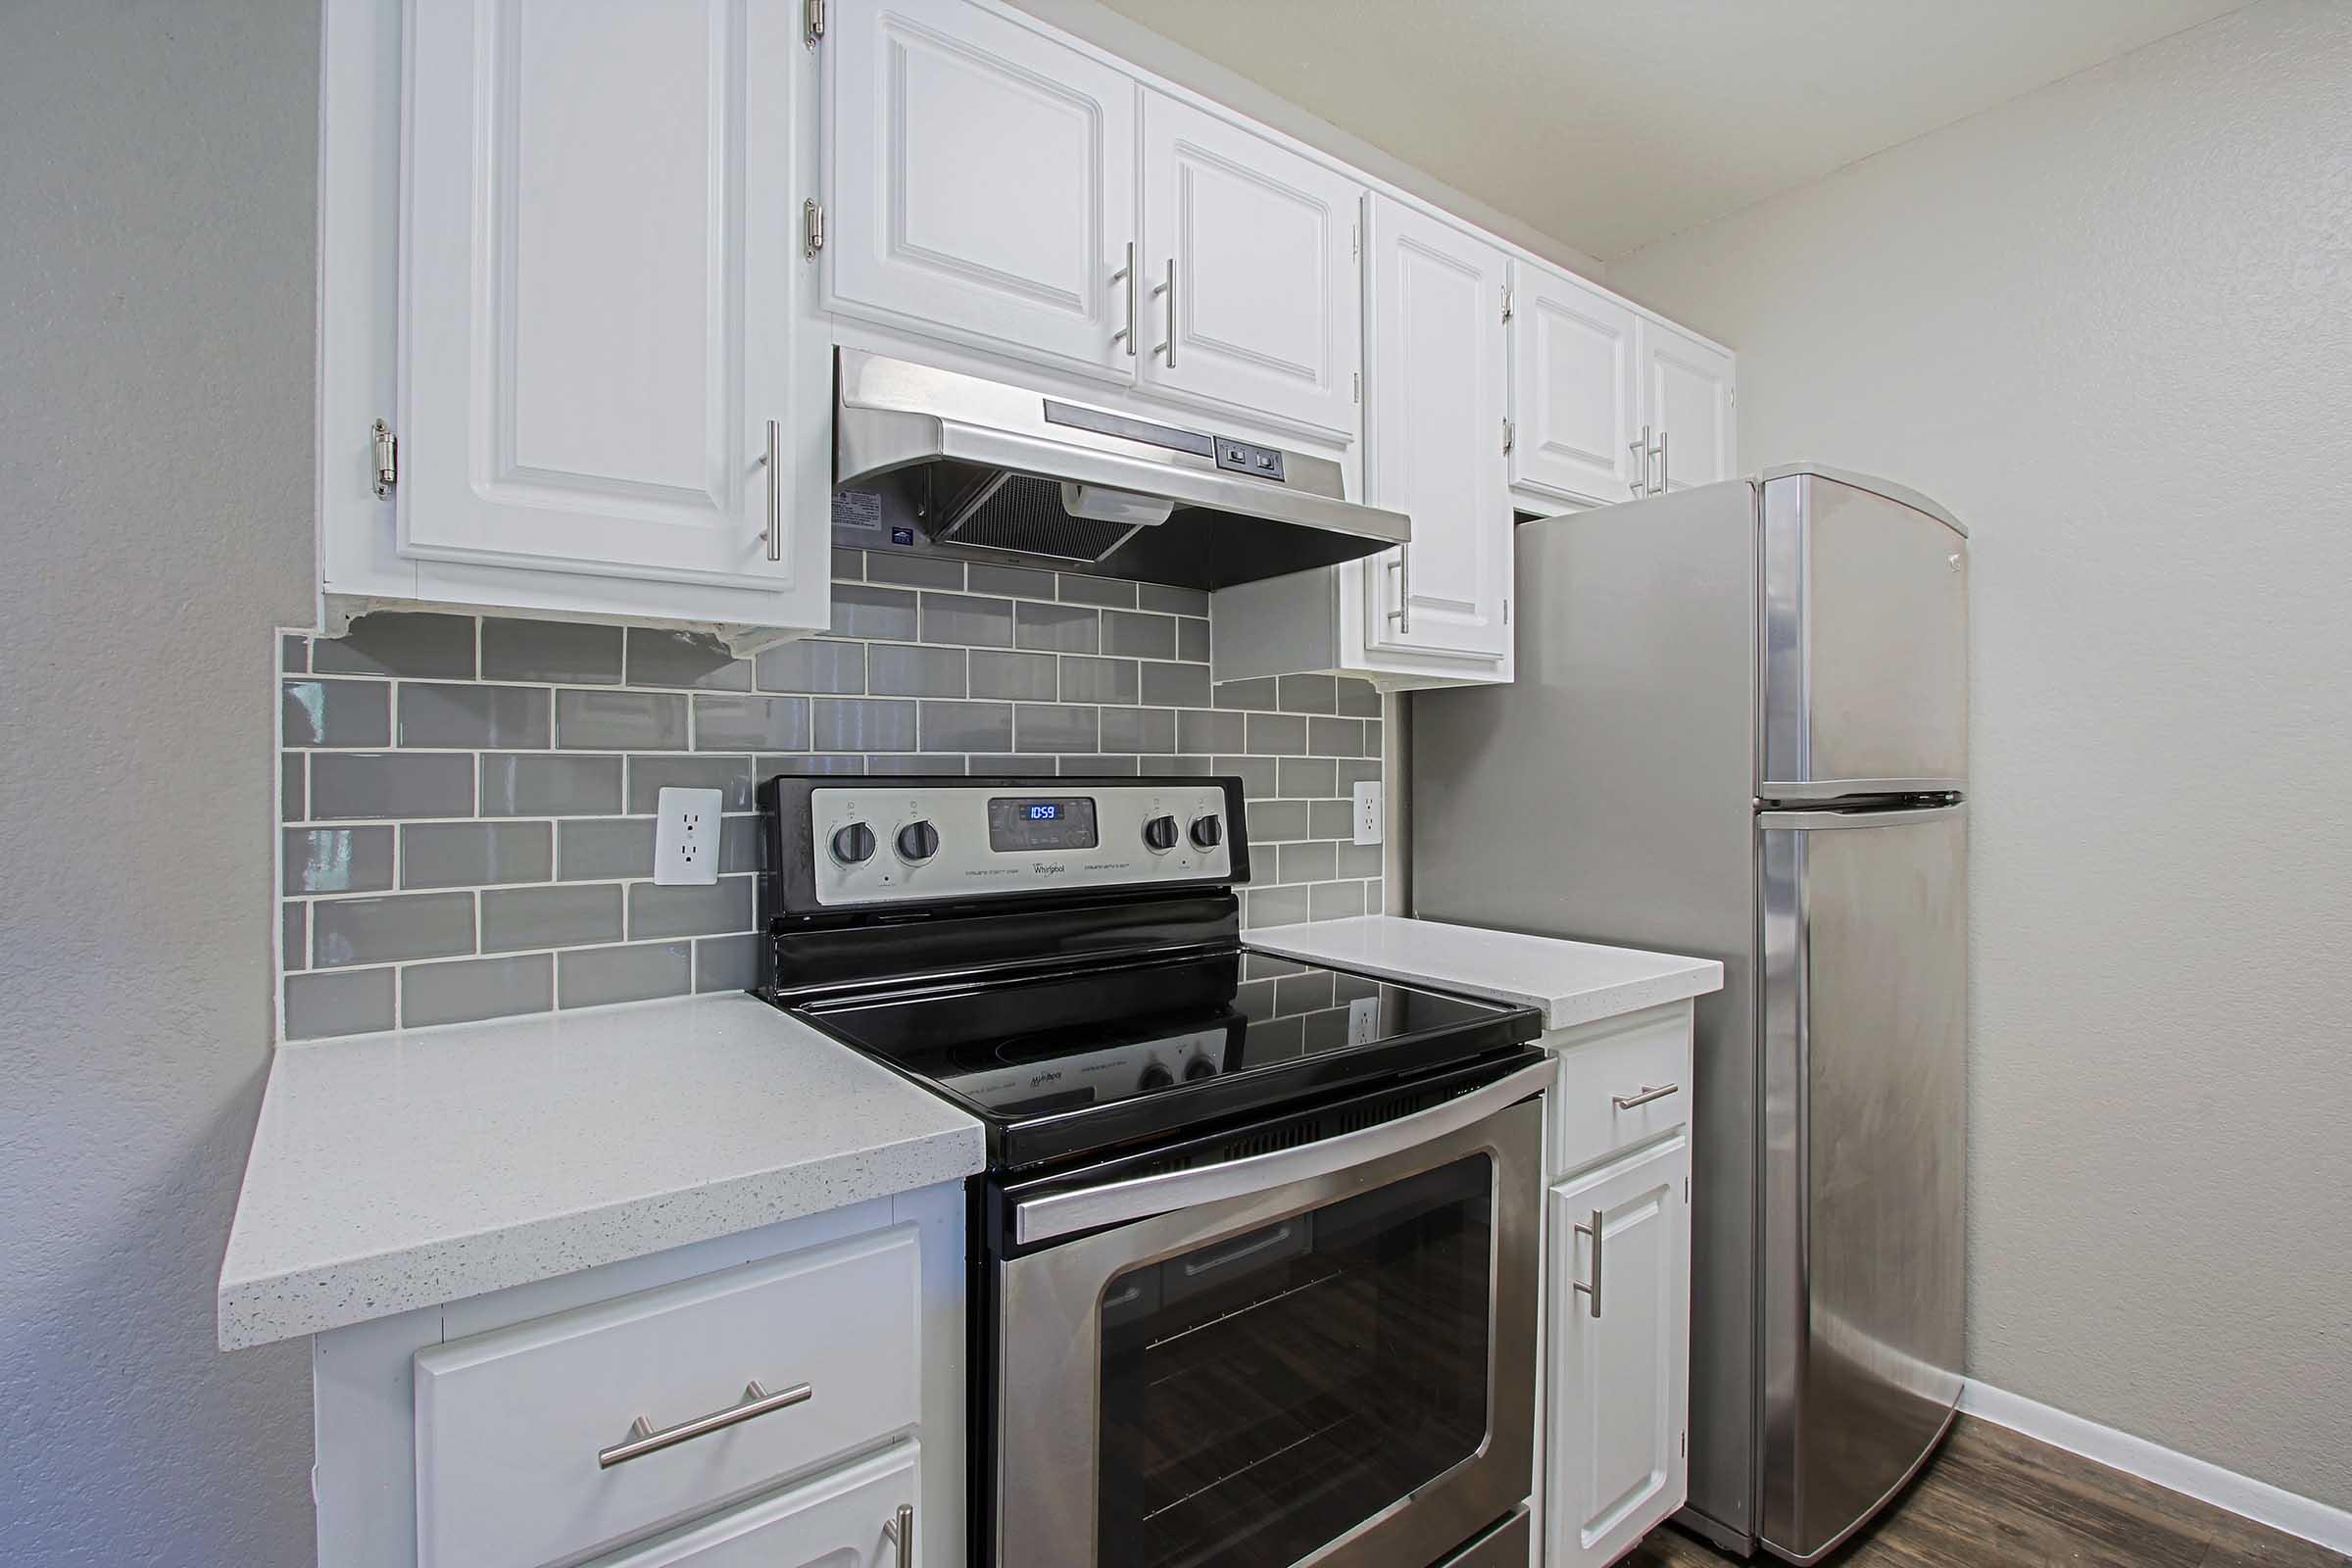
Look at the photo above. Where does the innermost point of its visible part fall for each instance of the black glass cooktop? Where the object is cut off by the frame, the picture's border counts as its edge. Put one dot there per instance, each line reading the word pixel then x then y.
pixel 1080 1062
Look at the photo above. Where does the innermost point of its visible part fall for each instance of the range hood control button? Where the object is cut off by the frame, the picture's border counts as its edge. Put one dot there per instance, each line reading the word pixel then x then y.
pixel 854 844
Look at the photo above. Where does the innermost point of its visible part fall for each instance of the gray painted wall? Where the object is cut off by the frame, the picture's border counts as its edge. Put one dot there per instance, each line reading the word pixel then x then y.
pixel 158 178
pixel 2110 324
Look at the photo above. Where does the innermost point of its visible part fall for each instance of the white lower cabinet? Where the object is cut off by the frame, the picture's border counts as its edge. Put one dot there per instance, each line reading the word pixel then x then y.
pixel 1620 1364
pixel 853 1519
pixel 1617 1316
pixel 775 1398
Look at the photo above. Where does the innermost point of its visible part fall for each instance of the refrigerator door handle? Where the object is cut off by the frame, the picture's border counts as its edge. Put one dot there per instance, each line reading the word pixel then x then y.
pixel 1875 816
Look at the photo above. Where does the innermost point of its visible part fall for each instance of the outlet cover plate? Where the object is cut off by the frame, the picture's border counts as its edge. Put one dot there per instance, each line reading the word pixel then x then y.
pixel 686 830
pixel 1368 825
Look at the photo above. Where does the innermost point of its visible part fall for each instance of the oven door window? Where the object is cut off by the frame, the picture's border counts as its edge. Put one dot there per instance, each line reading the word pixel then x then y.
pixel 1269 1391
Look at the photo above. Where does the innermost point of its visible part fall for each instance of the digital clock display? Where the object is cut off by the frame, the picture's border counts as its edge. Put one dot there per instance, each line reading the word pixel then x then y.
pixel 1020 827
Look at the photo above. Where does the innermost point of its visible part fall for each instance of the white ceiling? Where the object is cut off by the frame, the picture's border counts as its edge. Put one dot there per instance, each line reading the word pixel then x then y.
pixel 1610 123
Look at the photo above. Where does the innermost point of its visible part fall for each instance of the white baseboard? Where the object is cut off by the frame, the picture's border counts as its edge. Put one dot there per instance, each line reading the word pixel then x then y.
pixel 2259 1500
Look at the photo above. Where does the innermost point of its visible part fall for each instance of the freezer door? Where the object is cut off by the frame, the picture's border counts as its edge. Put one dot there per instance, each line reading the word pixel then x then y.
pixel 1865 1018
pixel 1864 625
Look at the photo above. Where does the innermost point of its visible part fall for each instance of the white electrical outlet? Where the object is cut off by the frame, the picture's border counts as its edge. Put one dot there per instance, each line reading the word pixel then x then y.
pixel 1367 812
pixel 686 838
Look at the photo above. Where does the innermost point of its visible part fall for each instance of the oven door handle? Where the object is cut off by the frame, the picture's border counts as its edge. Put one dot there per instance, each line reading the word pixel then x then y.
pixel 1053 1215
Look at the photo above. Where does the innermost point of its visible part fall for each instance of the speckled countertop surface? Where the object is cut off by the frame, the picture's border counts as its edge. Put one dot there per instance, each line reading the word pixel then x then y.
pixel 1573 982
pixel 398 1170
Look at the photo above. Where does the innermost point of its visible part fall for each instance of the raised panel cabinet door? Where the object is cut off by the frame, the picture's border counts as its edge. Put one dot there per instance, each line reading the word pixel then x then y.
pixel 1687 402
pixel 1620 1374
pixel 1252 297
pixel 1434 438
pixel 983 183
pixel 850 1519
pixel 597 273
pixel 1573 391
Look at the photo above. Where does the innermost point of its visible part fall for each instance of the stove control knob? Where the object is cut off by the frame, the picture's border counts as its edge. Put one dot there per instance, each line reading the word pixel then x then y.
pixel 1155 1077
pixel 1207 832
pixel 1161 833
pixel 854 844
pixel 1198 1068
pixel 917 841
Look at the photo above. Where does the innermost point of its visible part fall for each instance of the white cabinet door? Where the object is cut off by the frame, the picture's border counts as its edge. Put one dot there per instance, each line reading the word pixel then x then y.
pixel 1434 437
pixel 847 1520
pixel 983 183
pixel 1686 400
pixel 1573 389
pixel 1252 298
pixel 596 328
pixel 1615 1459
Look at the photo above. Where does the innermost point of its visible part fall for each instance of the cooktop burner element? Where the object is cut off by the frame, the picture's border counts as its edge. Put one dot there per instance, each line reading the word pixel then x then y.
pixel 1064 960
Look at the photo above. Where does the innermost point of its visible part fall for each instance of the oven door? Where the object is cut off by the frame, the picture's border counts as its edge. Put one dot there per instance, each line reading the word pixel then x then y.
pixel 1323 1352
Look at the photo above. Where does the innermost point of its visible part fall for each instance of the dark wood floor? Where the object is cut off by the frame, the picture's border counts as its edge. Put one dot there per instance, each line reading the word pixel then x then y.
pixel 1993 1498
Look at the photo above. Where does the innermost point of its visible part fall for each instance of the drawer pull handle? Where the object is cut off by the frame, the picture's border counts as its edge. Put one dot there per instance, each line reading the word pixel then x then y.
pixel 644 1440
pixel 1648 1094
pixel 900 1532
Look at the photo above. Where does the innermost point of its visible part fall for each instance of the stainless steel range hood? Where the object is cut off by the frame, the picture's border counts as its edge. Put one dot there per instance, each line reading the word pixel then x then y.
pixel 997 472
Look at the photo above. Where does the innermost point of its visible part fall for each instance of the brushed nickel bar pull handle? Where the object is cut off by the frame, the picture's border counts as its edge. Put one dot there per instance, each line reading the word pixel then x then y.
pixel 772 461
pixel 1648 1094
pixel 1402 566
pixel 644 1440
pixel 1592 1289
pixel 901 1532
pixel 1665 473
pixel 1641 451
pixel 1126 334
pixel 1170 289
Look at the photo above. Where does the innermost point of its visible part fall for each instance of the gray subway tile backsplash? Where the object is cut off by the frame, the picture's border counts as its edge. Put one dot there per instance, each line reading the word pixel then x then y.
pixel 472 718
pixel 563 652
pixel 470 854
pixel 335 712
pixel 390 784
pixel 468 990
pixel 591 977
pixel 544 785
pixel 490 851
pixel 594 721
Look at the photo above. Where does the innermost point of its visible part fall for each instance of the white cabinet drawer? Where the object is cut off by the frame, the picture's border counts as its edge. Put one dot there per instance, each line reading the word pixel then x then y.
pixel 1610 1079
pixel 511 1424
pixel 847 1520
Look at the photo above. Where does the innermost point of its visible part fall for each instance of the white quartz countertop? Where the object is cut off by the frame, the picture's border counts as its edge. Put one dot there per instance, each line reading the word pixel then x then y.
pixel 1573 982
pixel 405 1170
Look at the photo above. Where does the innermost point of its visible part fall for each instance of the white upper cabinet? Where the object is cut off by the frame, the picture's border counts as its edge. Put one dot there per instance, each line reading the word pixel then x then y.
pixel 983 183
pixel 1574 388
pixel 1250 293
pixel 599 234
pixel 1435 438
pixel 1687 402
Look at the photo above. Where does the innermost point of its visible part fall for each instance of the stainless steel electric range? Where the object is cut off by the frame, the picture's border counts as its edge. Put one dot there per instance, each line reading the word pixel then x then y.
pixel 1254 1263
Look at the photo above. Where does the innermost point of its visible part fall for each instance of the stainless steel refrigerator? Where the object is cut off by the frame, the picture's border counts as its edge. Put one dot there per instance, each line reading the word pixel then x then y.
pixel 1740 729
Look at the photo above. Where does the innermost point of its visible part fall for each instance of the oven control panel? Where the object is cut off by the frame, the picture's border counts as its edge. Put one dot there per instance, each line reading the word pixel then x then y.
pixel 914 840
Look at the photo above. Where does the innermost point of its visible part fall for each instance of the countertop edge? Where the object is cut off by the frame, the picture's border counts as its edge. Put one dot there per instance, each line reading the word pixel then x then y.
pixel 267 1308
pixel 1686 978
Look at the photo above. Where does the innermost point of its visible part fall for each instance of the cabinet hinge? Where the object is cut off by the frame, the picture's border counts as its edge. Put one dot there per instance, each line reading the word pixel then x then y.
pixel 812 21
pixel 387 458
pixel 813 226
pixel 1506 302
pixel 1510 434
pixel 1356 386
